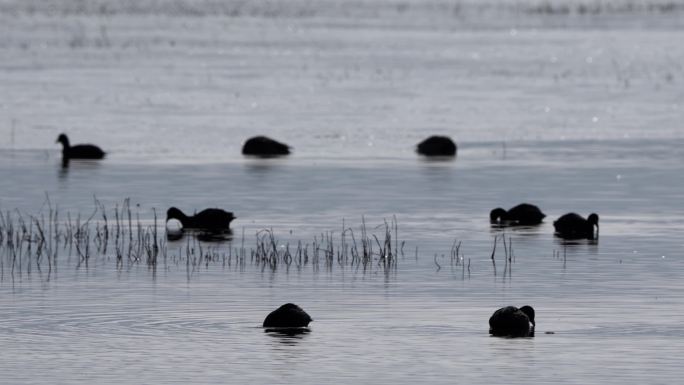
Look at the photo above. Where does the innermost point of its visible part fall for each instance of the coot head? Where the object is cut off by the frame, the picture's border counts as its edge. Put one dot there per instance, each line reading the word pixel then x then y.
pixel 62 138
pixel 174 213
pixel 593 220
pixel 497 214
pixel 529 312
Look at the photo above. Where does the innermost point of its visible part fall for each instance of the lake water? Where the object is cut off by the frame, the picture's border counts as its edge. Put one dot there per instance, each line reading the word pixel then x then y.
pixel 571 105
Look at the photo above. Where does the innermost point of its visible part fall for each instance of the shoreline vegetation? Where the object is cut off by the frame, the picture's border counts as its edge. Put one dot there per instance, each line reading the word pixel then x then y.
pixel 38 244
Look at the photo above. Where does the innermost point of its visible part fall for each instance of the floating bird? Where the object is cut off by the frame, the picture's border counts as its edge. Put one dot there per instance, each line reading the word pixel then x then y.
pixel 573 226
pixel 287 316
pixel 209 219
pixel 510 321
pixel 437 146
pixel 522 214
pixel 264 147
pixel 79 151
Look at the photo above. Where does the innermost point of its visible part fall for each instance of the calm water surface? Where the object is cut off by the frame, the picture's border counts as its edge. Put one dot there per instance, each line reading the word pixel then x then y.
pixel 573 111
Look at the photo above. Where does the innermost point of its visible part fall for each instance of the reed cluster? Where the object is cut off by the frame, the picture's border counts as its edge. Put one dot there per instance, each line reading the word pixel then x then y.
pixel 31 243
pixel 327 249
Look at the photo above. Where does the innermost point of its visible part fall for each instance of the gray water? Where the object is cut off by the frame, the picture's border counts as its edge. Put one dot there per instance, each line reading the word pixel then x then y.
pixel 571 105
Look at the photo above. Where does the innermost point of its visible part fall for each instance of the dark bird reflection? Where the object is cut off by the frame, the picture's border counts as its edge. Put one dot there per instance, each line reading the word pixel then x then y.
pixel 68 165
pixel 523 231
pixel 574 242
pixel 64 170
pixel 571 245
pixel 262 166
pixel 201 235
pixel 436 159
pixel 215 236
pixel 288 336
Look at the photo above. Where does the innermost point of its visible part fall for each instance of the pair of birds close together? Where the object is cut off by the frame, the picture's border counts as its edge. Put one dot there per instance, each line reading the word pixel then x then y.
pixel 568 226
pixel 256 146
pixel 508 321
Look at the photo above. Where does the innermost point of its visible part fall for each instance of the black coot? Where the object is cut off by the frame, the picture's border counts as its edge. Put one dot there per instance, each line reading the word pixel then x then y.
pixel 287 316
pixel 510 321
pixel 79 151
pixel 437 146
pixel 263 146
pixel 573 226
pixel 208 219
pixel 522 214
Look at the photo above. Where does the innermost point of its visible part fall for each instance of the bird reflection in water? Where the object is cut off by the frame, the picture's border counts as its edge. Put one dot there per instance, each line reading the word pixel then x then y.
pixel 581 246
pixel 288 336
pixel 80 167
pixel 201 235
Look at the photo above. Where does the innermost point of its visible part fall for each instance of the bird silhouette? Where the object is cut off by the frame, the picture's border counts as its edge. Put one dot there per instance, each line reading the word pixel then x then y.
pixel 208 219
pixel 522 214
pixel 437 146
pixel 573 226
pixel 510 321
pixel 287 316
pixel 79 151
pixel 263 146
